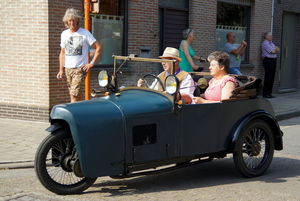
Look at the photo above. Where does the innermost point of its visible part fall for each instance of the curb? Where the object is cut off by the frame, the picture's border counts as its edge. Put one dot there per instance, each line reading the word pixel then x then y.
pixel 17 165
pixel 281 117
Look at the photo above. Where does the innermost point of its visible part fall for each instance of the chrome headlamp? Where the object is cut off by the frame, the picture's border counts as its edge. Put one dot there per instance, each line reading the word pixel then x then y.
pixel 104 78
pixel 171 84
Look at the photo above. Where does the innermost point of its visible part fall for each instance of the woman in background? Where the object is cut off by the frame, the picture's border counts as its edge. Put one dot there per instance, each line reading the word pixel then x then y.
pixel 187 54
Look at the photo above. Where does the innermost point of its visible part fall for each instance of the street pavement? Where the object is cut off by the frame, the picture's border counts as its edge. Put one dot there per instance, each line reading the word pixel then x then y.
pixel 19 139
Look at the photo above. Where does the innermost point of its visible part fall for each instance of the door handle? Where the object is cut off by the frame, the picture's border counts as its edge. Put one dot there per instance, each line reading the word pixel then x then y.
pixel 286 52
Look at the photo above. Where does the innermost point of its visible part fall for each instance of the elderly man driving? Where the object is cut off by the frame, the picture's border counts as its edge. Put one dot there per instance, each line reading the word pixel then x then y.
pixel 187 84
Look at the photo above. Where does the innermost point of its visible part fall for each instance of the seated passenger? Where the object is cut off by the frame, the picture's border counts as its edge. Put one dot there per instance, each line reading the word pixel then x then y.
pixel 187 84
pixel 221 85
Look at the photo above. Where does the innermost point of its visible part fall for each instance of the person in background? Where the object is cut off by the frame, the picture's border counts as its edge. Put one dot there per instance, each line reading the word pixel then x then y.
pixel 187 84
pixel 269 51
pixel 187 54
pixel 221 85
pixel 73 57
pixel 235 52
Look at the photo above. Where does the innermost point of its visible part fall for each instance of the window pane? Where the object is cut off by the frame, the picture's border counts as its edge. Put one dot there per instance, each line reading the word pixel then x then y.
pixel 108 28
pixel 231 18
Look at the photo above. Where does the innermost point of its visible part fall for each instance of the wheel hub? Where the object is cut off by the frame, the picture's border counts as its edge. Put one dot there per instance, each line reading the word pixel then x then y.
pixel 256 148
pixel 65 163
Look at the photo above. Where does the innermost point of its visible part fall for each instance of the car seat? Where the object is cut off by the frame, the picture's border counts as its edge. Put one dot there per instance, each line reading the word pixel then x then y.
pixel 249 87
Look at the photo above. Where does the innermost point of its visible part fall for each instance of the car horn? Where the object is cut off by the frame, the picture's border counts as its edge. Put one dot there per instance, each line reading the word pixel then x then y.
pixel 94 92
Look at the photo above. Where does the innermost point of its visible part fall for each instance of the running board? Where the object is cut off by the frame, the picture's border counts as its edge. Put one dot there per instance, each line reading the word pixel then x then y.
pixel 178 166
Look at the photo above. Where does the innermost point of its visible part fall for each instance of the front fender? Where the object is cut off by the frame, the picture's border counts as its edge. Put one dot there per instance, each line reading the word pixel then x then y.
pixel 262 115
pixel 97 129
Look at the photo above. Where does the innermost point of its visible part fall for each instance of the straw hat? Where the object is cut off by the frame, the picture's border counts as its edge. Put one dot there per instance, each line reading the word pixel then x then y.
pixel 171 52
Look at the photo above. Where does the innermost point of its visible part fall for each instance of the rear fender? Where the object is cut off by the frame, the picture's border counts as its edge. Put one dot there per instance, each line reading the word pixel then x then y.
pixel 262 115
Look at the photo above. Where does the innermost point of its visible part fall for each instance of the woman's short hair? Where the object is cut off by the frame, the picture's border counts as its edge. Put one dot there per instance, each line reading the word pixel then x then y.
pixel 71 13
pixel 221 57
pixel 187 32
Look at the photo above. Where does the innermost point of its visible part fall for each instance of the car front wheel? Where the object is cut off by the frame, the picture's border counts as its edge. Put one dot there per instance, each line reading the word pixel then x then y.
pixel 57 165
pixel 254 149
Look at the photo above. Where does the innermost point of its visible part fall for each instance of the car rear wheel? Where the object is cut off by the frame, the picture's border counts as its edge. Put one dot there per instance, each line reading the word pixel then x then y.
pixel 254 149
pixel 57 165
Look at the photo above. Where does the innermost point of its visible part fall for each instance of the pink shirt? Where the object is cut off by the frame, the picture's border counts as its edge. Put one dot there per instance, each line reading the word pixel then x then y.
pixel 214 93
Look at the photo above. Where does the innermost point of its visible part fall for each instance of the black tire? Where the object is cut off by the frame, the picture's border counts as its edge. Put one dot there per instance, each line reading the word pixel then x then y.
pixel 255 149
pixel 52 172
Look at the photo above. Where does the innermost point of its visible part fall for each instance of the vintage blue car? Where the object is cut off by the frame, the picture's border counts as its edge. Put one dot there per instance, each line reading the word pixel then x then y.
pixel 135 129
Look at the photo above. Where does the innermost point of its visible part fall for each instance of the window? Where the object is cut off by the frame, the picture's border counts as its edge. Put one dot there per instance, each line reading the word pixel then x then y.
pixel 108 27
pixel 236 19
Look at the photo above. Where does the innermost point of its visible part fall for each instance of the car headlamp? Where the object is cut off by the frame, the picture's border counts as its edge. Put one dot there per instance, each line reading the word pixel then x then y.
pixel 104 78
pixel 171 84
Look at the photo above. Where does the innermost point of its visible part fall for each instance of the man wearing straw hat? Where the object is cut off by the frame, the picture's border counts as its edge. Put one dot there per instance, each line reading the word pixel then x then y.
pixel 187 84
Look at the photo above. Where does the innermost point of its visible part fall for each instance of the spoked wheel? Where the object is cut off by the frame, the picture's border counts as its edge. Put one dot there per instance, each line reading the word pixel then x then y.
pixel 255 149
pixel 153 82
pixel 57 165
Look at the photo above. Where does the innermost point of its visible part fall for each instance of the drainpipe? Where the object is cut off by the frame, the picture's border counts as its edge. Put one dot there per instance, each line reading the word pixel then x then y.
pixel 87 26
pixel 272 17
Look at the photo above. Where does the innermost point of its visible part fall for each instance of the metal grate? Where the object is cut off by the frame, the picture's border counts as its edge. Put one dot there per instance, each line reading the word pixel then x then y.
pixel 144 134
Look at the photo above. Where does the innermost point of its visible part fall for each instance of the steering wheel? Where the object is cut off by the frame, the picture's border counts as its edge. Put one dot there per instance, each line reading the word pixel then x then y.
pixel 155 80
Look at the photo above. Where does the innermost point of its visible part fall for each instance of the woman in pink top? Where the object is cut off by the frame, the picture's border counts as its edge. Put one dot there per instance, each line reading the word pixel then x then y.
pixel 221 85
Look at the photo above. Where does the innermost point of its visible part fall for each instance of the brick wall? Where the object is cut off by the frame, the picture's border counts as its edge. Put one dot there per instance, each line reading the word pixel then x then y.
pixel 260 23
pixel 24 59
pixel 29 49
pixel 203 17
pixel 142 19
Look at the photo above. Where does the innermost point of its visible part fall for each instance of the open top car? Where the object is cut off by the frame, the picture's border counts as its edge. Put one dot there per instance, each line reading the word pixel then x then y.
pixel 134 130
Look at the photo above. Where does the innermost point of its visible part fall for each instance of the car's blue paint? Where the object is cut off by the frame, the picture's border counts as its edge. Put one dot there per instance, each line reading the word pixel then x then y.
pixel 98 126
pixel 102 128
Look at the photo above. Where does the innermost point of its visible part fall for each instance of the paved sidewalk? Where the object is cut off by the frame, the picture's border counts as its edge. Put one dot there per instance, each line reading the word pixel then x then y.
pixel 19 139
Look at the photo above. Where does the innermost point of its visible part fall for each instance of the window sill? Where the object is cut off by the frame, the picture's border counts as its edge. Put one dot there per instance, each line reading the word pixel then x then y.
pixel 247 65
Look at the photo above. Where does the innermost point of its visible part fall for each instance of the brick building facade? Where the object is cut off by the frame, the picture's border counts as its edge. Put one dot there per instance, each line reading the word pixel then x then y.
pixel 30 38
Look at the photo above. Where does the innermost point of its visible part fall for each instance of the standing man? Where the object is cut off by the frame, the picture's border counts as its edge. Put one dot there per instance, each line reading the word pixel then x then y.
pixel 269 51
pixel 73 58
pixel 235 52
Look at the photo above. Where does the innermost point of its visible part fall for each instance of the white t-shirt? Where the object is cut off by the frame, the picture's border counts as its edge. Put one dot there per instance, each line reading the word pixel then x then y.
pixel 76 47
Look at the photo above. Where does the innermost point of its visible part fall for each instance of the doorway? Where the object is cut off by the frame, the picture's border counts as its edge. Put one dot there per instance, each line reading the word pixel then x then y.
pixel 172 21
pixel 288 50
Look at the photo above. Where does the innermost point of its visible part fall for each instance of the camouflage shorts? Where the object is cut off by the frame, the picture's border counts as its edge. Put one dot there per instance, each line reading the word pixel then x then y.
pixel 75 79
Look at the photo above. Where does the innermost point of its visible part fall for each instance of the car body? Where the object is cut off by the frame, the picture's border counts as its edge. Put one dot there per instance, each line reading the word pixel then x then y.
pixel 136 129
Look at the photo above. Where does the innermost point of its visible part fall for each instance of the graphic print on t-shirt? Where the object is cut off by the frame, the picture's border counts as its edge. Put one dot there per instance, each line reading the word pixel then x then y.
pixel 74 46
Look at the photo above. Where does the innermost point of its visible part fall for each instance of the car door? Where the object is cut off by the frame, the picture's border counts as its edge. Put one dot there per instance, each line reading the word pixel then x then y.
pixel 199 128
